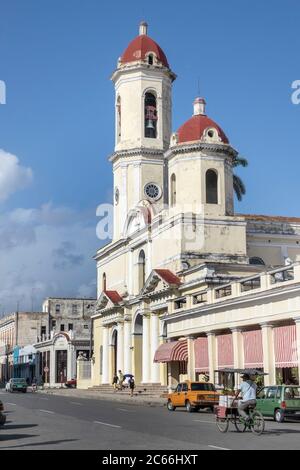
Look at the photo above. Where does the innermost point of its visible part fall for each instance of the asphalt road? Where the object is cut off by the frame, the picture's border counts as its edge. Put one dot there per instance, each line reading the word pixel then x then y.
pixel 40 421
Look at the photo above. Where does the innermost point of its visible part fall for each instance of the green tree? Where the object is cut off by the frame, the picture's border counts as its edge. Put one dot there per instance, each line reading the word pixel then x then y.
pixel 238 184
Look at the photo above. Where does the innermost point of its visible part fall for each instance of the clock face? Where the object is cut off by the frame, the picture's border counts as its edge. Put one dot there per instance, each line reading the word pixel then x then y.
pixel 152 191
pixel 117 195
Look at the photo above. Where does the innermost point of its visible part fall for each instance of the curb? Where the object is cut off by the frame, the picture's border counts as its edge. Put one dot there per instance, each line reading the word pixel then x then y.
pixel 119 399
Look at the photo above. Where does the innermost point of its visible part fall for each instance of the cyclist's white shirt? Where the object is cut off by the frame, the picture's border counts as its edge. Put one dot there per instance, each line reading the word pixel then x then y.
pixel 248 390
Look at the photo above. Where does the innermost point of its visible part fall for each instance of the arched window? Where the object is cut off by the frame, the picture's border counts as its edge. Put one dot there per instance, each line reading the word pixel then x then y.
pixel 142 269
pixel 104 282
pixel 255 260
pixel 118 111
pixel 150 59
pixel 173 190
pixel 150 116
pixel 211 187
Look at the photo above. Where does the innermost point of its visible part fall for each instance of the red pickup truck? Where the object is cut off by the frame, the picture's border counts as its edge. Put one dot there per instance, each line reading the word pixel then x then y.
pixel 71 383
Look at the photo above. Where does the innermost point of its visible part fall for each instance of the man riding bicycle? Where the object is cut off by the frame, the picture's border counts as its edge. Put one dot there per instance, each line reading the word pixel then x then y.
pixel 248 391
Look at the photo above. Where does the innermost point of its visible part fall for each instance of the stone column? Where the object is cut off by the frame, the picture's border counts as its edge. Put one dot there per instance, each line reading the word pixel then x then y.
pixel 269 354
pixel 297 346
pixel 212 355
pixel 52 377
pixel 69 361
pixel 146 348
pixel 120 347
pixel 155 368
pixel 127 346
pixel 105 356
pixel 238 350
pixel 191 374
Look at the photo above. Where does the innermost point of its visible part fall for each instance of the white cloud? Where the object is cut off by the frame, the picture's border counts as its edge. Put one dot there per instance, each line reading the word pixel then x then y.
pixel 13 176
pixel 46 252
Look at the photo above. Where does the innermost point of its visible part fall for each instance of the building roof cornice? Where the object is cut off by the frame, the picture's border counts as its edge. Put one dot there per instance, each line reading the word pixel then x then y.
pixel 140 66
pixel 200 147
pixel 137 152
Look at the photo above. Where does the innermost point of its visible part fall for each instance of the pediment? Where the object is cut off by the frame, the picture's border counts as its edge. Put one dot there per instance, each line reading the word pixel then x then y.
pixel 108 300
pixel 160 280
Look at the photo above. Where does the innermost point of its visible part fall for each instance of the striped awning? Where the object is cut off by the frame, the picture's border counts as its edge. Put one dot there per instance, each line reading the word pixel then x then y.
pixel 253 348
pixel 225 350
pixel 173 351
pixel 201 355
pixel 285 345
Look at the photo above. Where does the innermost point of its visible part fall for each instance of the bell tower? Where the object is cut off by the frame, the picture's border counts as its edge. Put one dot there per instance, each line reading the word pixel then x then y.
pixel 143 119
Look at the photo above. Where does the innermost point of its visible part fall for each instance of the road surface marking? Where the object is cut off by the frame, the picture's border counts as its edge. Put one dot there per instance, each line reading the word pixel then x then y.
pixel 106 424
pixel 44 398
pixel 14 404
pixel 202 421
pixel 219 448
pixel 47 411
pixel 75 403
pixel 123 409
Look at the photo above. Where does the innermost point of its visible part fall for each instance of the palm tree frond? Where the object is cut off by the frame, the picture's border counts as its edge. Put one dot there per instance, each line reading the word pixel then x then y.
pixel 239 187
pixel 240 161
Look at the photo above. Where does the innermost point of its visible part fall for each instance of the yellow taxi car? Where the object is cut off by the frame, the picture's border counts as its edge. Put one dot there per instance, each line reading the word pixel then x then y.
pixel 193 396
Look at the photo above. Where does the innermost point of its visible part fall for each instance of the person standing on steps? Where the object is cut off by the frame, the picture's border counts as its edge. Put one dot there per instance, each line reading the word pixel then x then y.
pixel 115 382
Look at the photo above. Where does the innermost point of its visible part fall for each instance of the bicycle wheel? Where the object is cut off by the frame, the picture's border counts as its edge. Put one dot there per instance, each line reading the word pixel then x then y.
pixel 222 424
pixel 258 423
pixel 240 425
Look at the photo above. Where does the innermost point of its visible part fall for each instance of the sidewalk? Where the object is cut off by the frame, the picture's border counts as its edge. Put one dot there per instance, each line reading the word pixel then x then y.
pixel 95 395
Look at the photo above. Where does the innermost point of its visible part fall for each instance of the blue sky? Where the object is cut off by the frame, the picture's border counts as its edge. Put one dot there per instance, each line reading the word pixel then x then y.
pixel 56 58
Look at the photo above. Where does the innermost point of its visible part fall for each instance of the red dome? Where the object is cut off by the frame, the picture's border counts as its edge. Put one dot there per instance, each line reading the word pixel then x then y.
pixel 140 47
pixel 194 128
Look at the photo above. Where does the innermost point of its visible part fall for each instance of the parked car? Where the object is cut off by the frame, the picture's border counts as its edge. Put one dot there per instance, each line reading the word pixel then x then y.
pixel 16 385
pixel 193 396
pixel 2 415
pixel 279 401
pixel 71 383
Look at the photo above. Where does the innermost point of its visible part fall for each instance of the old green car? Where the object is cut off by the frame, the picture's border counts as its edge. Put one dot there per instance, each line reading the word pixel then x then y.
pixel 279 401
pixel 16 385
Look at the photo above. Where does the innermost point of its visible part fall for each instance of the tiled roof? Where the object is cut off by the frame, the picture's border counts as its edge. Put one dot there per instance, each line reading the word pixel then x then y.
pixel 114 296
pixel 168 276
pixel 140 47
pixel 193 129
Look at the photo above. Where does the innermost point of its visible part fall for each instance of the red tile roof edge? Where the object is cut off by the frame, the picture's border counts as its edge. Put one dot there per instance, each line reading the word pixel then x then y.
pixel 113 295
pixel 168 276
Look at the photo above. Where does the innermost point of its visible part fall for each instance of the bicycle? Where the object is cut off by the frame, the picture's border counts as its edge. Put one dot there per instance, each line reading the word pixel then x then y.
pixel 225 415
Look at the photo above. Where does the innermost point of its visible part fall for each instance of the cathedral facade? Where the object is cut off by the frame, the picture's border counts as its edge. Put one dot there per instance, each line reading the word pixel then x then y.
pixel 187 286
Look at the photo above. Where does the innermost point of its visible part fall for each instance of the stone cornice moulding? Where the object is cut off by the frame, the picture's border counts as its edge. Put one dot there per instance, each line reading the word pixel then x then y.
pixel 141 151
pixel 199 147
pixel 141 66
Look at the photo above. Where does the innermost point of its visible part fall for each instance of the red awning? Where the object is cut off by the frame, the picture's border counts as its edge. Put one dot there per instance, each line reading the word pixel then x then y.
pixel 253 349
pixel 201 355
pixel 173 351
pixel 285 345
pixel 225 351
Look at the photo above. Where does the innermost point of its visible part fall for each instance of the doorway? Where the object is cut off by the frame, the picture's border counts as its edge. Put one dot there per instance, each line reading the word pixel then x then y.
pixel 61 366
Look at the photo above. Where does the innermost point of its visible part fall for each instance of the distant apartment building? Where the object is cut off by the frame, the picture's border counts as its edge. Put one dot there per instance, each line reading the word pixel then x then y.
pixel 18 330
pixel 69 334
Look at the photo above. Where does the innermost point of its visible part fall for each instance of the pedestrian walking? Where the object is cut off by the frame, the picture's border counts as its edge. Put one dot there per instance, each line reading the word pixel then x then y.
pixel 131 385
pixel 121 379
pixel 115 382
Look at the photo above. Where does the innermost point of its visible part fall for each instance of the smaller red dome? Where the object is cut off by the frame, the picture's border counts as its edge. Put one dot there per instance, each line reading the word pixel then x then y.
pixel 194 129
pixel 140 47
